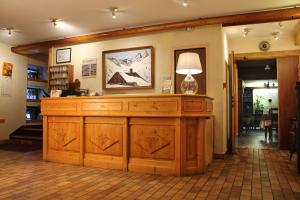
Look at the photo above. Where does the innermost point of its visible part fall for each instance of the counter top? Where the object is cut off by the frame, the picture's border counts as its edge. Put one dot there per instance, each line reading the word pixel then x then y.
pixel 130 96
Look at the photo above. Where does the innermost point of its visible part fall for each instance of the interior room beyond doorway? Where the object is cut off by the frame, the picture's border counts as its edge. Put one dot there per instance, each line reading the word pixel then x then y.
pixel 258 107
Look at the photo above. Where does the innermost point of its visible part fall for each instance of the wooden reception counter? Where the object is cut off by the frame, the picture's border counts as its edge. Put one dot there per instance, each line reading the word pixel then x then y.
pixel 159 134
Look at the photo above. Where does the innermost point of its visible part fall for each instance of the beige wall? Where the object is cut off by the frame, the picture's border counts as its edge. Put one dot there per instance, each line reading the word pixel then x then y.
pixel 12 108
pixel 164 44
pixel 248 44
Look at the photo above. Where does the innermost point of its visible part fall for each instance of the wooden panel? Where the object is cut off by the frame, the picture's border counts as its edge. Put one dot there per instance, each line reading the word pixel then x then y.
pixel 152 141
pixel 287 78
pixel 104 139
pixel 59 106
pixel 103 161
pixel 200 78
pixel 191 140
pixel 151 106
pixel 64 136
pixel 209 140
pixel 101 106
pixel 69 157
pixel 247 18
pixel 194 106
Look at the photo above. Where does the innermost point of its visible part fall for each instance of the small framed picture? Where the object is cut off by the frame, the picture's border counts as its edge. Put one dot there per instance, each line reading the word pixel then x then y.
pixel 63 55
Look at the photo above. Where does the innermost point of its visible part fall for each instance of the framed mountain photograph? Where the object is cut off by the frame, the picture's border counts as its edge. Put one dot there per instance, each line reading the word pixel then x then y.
pixel 131 68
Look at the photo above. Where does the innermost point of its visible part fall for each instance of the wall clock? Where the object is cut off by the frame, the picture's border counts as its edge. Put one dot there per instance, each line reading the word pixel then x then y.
pixel 264 46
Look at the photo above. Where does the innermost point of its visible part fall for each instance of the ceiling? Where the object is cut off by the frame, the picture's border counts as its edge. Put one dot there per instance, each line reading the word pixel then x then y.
pixel 285 28
pixel 30 18
pixel 255 69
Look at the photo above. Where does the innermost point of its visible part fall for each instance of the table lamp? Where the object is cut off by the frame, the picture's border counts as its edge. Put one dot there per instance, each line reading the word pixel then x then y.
pixel 189 63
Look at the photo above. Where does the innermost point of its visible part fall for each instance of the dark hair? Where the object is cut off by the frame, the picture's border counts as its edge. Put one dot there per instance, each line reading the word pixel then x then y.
pixel 270 100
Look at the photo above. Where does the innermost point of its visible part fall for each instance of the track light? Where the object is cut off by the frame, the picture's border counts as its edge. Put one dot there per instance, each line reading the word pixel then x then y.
pixel 114 12
pixel 275 35
pixel 54 22
pixel 185 3
pixel 9 32
pixel 246 31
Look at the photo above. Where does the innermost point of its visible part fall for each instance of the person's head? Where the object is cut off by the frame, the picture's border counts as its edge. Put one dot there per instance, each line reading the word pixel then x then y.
pixel 270 100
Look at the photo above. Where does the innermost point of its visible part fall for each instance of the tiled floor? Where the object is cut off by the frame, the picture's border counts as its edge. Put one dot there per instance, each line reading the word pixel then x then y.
pixel 256 139
pixel 250 173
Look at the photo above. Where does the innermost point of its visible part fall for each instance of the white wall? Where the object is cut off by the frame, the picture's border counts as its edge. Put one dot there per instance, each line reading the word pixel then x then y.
pixel 250 44
pixel 12 108
pixel 165 43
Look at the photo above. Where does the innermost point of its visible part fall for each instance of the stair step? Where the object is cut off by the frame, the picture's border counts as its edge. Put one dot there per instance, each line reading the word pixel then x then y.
pixel 32 129
pixel 27 137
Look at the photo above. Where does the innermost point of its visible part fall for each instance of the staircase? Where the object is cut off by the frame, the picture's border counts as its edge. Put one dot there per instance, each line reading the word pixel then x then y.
pixel 30 134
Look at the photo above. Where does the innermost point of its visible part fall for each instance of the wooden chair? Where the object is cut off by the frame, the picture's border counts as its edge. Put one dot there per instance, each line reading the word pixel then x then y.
pixel 273 113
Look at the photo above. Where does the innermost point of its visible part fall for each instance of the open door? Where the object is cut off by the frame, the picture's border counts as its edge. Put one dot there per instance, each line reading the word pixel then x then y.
pixel 233 103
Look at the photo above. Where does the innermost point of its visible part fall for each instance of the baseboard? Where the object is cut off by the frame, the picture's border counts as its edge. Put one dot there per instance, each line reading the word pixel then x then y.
pixel 219 156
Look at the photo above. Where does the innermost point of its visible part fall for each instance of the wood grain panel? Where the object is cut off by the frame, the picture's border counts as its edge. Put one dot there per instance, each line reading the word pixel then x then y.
pixel 152 141
pixel 191 140
pixel 287 77
pixel 59 106
pixel 104 139
pixel 151 106
pixel 64 136
pixel 194 106
pixel 101 106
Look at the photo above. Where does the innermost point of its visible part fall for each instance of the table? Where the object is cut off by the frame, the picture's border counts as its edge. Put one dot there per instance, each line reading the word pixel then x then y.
pixel 158 134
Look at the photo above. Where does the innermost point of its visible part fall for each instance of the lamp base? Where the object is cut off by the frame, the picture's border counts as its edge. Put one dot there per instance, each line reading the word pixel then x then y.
pixel 189 85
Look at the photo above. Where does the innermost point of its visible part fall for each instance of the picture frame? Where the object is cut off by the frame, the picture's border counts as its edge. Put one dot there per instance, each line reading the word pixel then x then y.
pixel 130 68
pixel 7 69
pixel 63 55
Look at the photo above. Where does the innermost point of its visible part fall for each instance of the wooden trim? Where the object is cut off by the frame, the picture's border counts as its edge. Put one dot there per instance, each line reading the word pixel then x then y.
pixel 266 55
pixel 124 50
pixel 2 120
pixel 229 20
pixel 45 137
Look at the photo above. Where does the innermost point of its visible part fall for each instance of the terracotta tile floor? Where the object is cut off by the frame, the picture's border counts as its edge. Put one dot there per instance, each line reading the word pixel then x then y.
pixel 249 174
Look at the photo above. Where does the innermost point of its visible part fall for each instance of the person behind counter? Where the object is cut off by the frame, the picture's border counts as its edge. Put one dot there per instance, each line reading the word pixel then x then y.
pixel 74 89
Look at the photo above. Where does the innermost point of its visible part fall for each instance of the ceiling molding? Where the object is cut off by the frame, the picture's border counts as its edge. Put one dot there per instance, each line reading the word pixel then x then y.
pixel 230 20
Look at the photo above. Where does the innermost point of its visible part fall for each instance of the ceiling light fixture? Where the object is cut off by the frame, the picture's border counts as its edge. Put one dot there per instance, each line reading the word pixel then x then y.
pixel 246 31
pixel 114 12
pixel 54 22
pixel 185 3
pixel 280 24
pixel 9 31
pixel 267 68
pixel 275 35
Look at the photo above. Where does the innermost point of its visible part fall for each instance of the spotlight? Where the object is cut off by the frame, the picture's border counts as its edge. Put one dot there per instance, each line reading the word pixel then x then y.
pixel 275 35
pixel 246 31
pixel 114 12
pixel 9 31
pixel 54 22
pixel 185 3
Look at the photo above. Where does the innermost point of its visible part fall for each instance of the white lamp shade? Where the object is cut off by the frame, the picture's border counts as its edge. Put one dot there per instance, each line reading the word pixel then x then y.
pixel 189 63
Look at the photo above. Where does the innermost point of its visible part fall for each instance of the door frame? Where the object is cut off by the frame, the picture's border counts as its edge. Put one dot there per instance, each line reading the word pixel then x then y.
pixel 259 56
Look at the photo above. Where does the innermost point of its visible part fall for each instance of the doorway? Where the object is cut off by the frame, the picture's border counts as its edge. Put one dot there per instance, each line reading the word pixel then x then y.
pixel 258 103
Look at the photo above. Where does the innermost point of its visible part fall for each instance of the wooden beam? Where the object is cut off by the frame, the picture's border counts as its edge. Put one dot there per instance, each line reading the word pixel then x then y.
pixel 230 20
